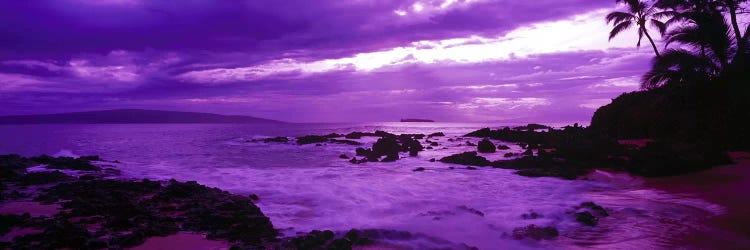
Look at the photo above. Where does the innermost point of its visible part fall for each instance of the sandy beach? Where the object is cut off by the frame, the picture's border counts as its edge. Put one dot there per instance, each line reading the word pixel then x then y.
pixel 725 186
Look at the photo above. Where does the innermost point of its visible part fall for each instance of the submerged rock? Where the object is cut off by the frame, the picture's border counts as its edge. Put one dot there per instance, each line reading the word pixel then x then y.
pixel 528 152
pixel 535 232
pixel 281 139
pixel 531 216
pixel 348 142
pixel 419 169
pixel 502 147
pixel 253 197
pixel 595 208
pixel 587 218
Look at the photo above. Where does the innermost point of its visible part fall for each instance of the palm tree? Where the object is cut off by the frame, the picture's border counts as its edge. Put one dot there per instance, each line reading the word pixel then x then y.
pixel 639 14
pixel 732 6
pixel 709 37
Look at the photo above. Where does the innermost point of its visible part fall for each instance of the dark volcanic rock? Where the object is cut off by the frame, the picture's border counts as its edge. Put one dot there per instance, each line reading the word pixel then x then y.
pixel 485 132
pixel 384 134
pixel 387 146
pixel 40 178
pixel 530 166
pixel 363 152
pixel 467 158
pixel 315 240
pixel 66 163
pixel 343 156
pixel 471 210
pixel 531 216
pixel 419 169
pixel 348 142
pixel 310 139
pixel 468 143
pixel 587 218
pixel 281 139
pixel 408 144
pixel 532 127
pixel 595 208
pixel 502 147
pixel 535 232
pixel 436 134
pixel 355 135
pixel 253 197
pixel 130 211
pixel 13 166
pixel 486 146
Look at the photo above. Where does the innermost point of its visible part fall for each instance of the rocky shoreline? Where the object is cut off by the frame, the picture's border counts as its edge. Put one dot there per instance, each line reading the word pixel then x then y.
pixel 93 209
pixel 88 206
pixel 571 152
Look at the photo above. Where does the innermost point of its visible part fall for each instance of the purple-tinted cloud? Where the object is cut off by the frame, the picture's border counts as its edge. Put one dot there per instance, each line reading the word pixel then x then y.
pixel 452 60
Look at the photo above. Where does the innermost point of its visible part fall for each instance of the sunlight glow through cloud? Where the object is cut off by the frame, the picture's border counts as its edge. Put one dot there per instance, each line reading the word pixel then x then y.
pixel 581 32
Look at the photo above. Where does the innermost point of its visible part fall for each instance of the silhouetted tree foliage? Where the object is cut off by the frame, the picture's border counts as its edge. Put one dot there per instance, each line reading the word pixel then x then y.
pixel 698 89
pixel 638 14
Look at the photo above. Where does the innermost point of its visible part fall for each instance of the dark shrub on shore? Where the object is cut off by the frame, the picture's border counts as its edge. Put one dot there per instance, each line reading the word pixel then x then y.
pixel 697 113
pixel 665 159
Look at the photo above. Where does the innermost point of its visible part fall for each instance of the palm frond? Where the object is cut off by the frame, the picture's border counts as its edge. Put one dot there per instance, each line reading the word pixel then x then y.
pixel 665 14
pixel 677 66
pixel 659 26
pixel 618 17
pixel 620 28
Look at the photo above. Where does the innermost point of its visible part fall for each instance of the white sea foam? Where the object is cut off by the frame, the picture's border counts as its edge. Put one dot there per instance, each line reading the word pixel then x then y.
pixel 302 188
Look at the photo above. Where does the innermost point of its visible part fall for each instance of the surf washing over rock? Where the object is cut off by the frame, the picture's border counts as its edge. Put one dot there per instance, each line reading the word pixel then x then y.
pixel 306 187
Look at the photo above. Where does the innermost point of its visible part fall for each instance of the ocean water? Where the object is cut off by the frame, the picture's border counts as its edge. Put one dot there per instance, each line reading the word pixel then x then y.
pixel 308 187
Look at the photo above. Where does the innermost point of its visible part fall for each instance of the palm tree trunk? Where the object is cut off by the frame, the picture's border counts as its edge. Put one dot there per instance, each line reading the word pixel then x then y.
pixel 652 42
pixel 733 16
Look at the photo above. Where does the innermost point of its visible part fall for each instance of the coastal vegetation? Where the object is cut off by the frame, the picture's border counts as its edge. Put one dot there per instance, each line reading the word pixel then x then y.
pixel 697 90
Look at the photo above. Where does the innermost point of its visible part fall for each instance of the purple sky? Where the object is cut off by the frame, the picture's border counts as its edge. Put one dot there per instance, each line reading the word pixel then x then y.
pixel 321 61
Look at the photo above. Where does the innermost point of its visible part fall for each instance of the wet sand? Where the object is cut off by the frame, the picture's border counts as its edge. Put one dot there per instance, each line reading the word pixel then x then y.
pixel 182 241
pixel 727 186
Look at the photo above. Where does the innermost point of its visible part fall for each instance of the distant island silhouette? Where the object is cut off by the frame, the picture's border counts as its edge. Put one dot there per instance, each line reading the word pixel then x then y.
pixel 416 120
pixel 124 116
